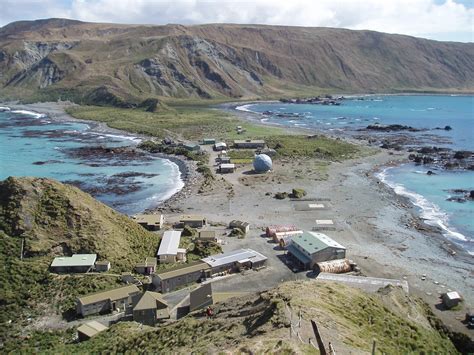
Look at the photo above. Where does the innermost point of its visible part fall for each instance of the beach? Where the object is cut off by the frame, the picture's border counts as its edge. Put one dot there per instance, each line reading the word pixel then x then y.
pixel 380 229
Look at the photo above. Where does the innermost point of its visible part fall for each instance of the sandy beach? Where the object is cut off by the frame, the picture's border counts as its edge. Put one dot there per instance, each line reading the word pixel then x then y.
pixel 380 229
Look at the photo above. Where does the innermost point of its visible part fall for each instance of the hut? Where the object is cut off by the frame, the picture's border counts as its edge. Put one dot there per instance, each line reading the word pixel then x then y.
pixel 208 141
pixel 284 238
pixel 151 222
pixel 219 146
pixel 192 147
pixel 243 226
pixel 207 236
pixel 193 221
pixel 76 263
pixel 226 168
pixel 451 299
pixel 102 266
pixel 90 330
pixel 150 309
pixel 249 144
pixel 146 268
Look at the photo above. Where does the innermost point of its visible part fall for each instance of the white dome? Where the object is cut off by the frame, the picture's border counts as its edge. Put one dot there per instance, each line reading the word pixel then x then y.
pixel 262 163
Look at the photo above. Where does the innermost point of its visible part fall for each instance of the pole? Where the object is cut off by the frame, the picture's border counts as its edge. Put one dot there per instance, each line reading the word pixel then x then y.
pixel 321 347
pixel 373 347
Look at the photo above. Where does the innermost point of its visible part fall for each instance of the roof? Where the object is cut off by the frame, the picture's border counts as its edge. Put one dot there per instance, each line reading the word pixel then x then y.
pixel 115 294
pixel 169 243
pixel 182 270
pixel 299 254
pixel 92 328
pixel 220 144
pixel 453 295
pixel 227 166
pixel 236 223
pixel 324 221
pixel 150 219
pixel 75 260
pixel 192 218
pixel 255 141
pixel 234 256
pixel 148 262
pixel 313 242
pixel 150 300
pixel 207 234
pixel 201 297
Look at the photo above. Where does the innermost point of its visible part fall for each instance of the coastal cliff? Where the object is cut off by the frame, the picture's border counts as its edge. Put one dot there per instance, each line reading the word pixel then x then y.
pixel 125 64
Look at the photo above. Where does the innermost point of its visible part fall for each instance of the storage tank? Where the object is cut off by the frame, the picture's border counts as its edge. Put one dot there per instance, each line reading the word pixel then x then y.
pixel 333 266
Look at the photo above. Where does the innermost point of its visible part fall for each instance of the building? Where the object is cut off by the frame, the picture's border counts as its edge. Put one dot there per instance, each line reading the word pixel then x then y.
pixel 451 299
pixel 249 144
pixel 284 238
pixel 75 263
pixel 224 159
pixel 171 279
pixel 169 251
pixel 102 266
pixel 89 330
pixel 208 236
pixel 150 309
pixel 194 221
pixel 119 299
pixel 219 146
pixel 151 222
pixel 310 248
pixel 192 147
pixel 324 224
pixel 207 141
pixel 201 297
pixel 235 260
pixel 146 268
pixel 226 168
pixel 243 226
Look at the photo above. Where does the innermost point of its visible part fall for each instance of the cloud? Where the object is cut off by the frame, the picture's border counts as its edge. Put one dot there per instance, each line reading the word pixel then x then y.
pixel 426 18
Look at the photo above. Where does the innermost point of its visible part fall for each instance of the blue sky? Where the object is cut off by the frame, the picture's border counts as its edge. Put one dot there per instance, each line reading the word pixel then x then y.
pixel 445 20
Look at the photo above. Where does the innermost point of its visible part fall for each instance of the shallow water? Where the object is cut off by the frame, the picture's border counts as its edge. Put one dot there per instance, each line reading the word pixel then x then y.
pixel 33 145
pixel 428 193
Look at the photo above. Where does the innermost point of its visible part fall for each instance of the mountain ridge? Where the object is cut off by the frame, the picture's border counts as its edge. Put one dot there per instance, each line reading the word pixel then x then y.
pixel 68 59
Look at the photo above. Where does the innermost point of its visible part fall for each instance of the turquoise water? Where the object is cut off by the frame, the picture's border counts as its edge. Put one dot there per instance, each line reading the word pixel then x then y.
pixel 428 193
pixel 33 145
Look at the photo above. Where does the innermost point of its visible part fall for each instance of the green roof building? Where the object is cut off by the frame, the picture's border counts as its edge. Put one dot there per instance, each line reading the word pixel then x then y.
pixel 311 248
pixel 74 263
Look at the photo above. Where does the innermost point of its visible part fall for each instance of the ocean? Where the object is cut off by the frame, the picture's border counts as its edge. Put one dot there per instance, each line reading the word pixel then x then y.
pixel 31 144
pixel 429 193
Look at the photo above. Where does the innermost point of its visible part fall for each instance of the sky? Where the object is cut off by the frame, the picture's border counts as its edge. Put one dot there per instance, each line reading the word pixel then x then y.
pixel 444 20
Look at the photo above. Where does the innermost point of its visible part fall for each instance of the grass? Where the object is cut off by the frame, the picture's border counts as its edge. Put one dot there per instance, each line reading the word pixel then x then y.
pixel 188 121
pixel 321 147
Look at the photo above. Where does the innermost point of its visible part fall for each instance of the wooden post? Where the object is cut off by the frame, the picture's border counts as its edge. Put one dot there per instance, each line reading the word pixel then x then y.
pixel 321 347
pixel 373 347
pixel 22 246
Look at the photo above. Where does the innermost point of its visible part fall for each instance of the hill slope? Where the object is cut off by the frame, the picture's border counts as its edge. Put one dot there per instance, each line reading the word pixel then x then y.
pixel 259 323
pixel 58 219
pixel 123 64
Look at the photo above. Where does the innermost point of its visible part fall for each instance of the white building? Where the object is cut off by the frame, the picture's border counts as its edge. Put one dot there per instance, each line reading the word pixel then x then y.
pixel 169 251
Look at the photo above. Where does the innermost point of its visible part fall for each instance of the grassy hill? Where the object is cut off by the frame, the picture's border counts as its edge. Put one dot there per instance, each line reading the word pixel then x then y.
pixel 58 219
pixel 122 65
pixel 259 323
